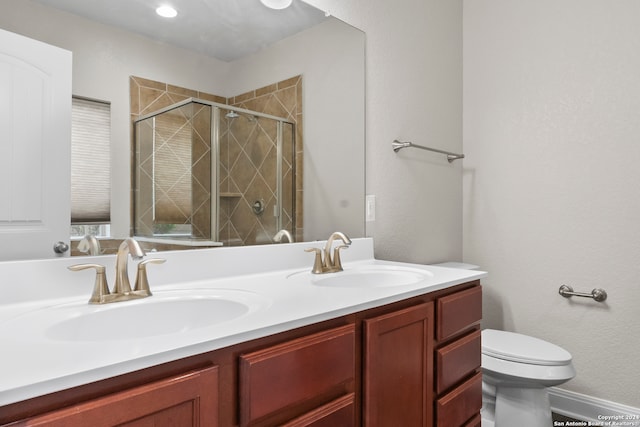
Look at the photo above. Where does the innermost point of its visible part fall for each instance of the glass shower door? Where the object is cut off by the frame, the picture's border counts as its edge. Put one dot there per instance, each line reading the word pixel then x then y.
pixel 255 201
pixel 214 174
pixel 173 174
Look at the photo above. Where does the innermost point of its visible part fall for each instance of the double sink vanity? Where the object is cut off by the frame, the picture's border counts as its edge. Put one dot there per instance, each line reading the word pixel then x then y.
pixel 245 336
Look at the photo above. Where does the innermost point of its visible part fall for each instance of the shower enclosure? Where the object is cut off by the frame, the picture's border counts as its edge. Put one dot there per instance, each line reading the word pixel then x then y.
pixel 208 174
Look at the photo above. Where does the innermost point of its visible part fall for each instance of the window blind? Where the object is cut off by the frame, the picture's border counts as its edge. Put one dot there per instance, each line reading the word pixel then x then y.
pixel 90 161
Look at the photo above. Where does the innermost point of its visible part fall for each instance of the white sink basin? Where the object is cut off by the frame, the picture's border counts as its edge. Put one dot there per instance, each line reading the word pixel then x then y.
pixel 164 313
pixel 375 276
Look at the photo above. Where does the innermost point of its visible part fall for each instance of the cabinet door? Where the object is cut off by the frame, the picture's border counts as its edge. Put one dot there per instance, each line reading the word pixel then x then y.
pixel 186 400
pixel 398 366
pixel 35 147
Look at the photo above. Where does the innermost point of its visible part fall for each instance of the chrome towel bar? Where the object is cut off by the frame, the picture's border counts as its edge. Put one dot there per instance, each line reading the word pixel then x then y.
pixel 597 294
pixel 399 145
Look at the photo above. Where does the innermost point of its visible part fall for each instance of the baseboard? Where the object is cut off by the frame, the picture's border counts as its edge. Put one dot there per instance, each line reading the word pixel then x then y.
pixel 588 408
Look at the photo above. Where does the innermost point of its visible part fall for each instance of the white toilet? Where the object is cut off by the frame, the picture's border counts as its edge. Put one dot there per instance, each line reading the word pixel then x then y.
pixel 516 372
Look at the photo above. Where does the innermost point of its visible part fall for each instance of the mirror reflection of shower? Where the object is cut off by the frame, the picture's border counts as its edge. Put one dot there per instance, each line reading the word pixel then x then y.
pixel 200 166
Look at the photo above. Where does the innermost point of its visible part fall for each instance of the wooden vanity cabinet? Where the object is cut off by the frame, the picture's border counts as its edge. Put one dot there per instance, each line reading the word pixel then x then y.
pixel 415 362
pixel 185 400
pixel 457 359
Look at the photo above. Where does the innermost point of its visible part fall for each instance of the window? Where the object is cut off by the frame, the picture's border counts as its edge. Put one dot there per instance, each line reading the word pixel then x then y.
pixel 90 167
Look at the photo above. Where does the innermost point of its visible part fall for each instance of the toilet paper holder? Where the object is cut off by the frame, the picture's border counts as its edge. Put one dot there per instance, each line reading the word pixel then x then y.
pixel 597 294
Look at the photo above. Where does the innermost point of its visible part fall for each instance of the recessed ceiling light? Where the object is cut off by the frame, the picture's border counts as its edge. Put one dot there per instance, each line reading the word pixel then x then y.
pixel 277 4
pixel 167 12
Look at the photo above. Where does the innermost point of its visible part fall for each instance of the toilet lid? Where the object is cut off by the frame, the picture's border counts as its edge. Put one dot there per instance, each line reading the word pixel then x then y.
pixel 522 349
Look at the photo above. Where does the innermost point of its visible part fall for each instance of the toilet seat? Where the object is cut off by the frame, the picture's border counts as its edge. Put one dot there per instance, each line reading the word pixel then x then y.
pixel 513 373
pixel 514 347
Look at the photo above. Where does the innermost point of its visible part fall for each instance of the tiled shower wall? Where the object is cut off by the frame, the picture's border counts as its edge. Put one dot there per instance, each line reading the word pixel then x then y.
pixel 282 99
pixel 247 170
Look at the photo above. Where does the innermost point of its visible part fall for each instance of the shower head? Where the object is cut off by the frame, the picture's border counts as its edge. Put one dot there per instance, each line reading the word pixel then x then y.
pixel 234 114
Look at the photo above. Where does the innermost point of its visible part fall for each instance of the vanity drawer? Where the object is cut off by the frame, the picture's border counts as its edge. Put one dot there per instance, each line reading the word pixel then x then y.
pixel 457 312
pixel 474 422
pixel 457 407
pixel 340 412
pixel 457 360
pixel 294 373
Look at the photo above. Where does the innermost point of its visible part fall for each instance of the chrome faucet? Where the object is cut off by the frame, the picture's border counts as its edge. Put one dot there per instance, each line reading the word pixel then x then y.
pixel 283 234
pixel 122 288
pixel 325 261
pixel 89 245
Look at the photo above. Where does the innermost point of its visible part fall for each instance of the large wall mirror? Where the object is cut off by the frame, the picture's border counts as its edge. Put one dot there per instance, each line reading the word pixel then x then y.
pixel 219 54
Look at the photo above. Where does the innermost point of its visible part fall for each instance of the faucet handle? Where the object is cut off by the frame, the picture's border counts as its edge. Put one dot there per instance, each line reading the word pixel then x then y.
pixel 100 287
pixel 337 264
pixel 142 282
pixel 317 263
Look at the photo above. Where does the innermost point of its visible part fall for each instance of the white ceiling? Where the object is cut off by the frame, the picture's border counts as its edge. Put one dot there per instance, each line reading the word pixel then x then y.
pixel 224 29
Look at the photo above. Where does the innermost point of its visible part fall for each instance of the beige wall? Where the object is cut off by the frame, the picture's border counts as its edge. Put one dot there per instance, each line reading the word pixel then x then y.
pixel 414 92
pixel 551 178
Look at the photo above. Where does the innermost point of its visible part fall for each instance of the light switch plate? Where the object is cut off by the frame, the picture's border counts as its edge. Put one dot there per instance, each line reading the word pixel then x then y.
pixel 370 208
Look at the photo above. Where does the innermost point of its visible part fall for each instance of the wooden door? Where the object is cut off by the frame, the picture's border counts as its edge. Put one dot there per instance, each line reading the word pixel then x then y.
pixel 398 366
pixel 35 147
pixel 189 400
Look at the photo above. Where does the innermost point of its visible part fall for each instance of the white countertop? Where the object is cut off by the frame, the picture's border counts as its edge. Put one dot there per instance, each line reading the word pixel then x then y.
pixel 278 277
